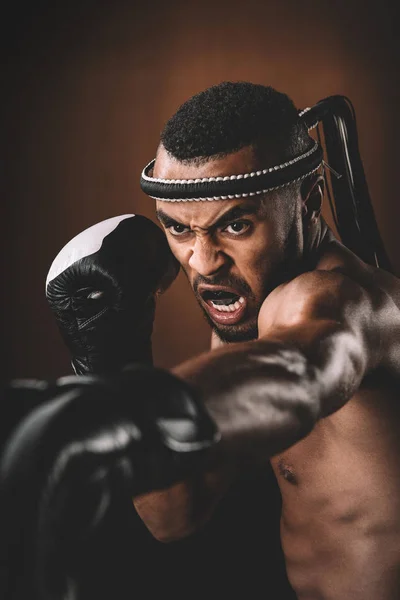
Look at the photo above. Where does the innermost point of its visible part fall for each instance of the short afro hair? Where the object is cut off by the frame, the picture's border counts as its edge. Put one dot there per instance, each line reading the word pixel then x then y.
pixel 232 115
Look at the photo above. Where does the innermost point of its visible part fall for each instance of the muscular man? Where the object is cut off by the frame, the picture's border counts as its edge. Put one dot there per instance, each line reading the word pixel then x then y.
pixel 304 368
pixel 305 365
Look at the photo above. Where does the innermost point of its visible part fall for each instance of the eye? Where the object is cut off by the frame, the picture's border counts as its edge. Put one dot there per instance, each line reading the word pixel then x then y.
pixel 237 227
pixel 178 229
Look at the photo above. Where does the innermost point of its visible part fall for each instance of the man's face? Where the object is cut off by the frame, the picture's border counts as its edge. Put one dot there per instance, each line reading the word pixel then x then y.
pixel 234 252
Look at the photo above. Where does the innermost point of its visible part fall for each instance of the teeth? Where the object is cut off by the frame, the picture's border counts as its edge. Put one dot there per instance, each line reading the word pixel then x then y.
pixel 220 307
pixel 229 307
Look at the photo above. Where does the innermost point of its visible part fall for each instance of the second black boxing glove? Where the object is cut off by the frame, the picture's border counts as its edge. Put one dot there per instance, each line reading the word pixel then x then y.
pixel 102 288
pixel 137 432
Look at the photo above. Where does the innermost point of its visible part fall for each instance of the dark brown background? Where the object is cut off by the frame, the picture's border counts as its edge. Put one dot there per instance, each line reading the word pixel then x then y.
pixel 86 91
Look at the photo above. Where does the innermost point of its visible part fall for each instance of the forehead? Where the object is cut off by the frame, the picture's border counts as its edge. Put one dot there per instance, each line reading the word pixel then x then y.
pixel 205 213
pixel 237 163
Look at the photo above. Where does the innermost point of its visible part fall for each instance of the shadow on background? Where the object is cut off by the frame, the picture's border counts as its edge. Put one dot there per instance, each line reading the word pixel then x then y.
pixel 87 89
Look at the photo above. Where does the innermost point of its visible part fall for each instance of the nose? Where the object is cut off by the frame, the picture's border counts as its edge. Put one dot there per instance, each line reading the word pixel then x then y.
pixel 206 258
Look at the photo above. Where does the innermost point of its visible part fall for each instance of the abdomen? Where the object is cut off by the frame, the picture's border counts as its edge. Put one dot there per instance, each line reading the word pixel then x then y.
pixel 340 521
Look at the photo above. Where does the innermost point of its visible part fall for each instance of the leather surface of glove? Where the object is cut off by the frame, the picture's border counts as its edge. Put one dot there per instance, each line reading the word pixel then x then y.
pixel 69 457
pixel 102 289
pixel 17 399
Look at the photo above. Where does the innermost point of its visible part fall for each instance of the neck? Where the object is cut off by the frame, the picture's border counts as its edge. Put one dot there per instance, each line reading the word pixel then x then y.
pixel 314 243
pixel 302 258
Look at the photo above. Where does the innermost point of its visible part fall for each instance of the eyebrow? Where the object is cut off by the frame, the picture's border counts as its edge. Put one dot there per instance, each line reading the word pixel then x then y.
pixel 231 215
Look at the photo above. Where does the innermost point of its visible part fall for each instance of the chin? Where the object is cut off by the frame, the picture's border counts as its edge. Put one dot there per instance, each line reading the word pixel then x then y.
pixel 233 334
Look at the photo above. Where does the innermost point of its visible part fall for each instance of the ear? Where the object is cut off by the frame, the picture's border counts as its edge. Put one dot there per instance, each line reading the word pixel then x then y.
pixel 312 194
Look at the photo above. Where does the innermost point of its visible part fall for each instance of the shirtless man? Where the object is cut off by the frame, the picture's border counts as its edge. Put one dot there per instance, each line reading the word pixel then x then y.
pixel 304 369
pixel 306 365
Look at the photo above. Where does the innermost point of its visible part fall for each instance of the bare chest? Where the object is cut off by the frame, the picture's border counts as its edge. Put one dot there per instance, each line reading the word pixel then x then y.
pixel 340 491
pixel 357 447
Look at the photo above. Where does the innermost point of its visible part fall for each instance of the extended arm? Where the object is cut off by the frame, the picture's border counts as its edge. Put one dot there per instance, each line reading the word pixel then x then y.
pixel 318 337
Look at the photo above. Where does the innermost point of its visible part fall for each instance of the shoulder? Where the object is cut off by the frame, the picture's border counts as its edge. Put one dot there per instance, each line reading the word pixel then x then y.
pixel 332 294
pixel 366 304
pixel 314 294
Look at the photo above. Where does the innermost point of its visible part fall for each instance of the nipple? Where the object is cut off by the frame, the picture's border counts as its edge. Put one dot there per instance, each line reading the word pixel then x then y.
pixel 287 472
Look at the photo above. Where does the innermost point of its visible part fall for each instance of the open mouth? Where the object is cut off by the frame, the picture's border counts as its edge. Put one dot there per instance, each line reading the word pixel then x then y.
pixel 224 306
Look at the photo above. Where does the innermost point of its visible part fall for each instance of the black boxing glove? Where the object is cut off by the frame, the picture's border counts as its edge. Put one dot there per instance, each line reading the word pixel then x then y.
pixel 102 288
pixel 17 399
pixel 21 396
pixel 141 431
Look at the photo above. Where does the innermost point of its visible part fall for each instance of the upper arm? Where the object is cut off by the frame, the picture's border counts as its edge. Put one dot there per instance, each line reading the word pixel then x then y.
pixel 338 323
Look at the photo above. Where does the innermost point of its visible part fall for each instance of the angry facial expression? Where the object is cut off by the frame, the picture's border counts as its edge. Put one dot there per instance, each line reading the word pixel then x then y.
pixel 234 252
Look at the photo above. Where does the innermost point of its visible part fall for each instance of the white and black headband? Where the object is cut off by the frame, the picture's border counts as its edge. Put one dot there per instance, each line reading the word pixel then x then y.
pixel 235 186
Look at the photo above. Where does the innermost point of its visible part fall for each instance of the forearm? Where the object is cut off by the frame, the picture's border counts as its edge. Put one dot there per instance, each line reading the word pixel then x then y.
pixel 182 509
pixel 266 395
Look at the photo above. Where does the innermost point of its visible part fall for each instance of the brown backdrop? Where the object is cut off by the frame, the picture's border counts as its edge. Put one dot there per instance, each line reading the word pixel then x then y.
pixel 86 90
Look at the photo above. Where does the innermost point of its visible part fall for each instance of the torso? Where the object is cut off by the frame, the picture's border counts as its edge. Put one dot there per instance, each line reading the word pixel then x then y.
pixel 340 486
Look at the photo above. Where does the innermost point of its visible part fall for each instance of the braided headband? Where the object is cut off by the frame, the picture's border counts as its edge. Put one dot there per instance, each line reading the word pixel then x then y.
pixel 235 186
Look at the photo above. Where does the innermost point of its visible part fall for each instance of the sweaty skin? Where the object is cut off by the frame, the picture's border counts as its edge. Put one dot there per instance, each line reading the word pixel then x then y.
pixel 316 393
